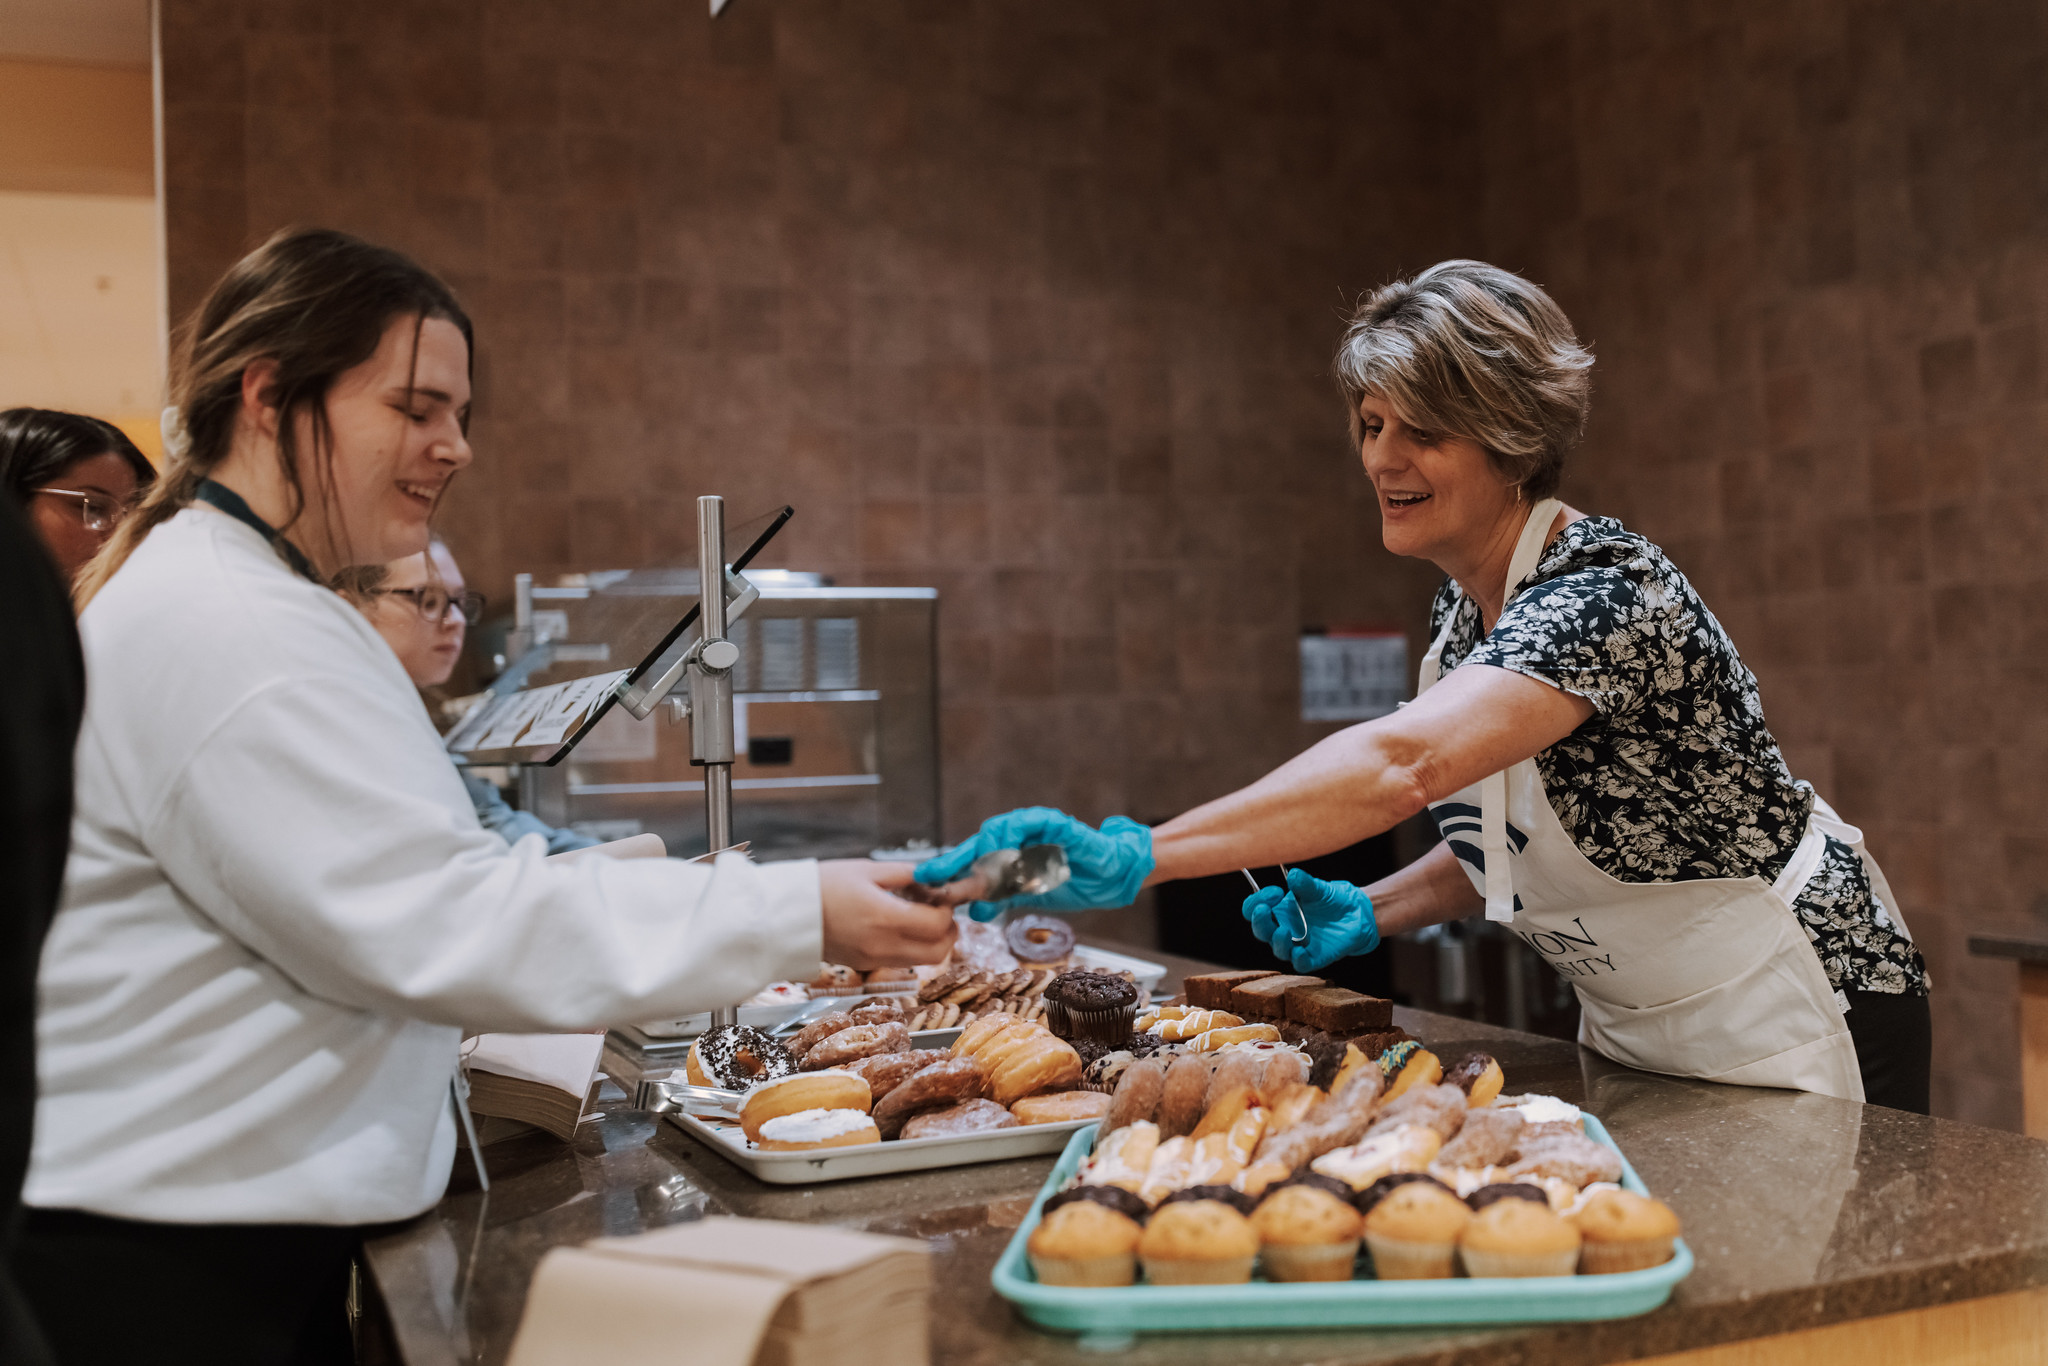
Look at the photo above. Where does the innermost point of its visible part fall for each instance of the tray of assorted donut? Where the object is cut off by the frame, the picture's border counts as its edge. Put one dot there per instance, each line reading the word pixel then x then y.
pixel 1333 1172
pixel 983 1063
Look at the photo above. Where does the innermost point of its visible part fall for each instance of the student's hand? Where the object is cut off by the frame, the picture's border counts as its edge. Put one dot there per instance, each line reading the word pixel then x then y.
pixel 868 926
pixel 1109 865
pixel 1339 916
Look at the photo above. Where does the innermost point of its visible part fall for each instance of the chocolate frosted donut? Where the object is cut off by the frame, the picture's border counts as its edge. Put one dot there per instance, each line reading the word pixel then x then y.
pixel 1039 938
pixel 738 1056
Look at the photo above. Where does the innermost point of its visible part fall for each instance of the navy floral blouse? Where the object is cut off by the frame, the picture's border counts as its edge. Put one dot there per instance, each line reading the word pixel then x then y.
pixel 1675 776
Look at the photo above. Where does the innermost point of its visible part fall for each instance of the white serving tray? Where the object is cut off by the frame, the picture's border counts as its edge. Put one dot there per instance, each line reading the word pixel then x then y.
pixel 806 1167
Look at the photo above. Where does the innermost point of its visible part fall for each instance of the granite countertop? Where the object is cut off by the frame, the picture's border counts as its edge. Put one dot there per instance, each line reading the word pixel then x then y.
pixel 1801 1211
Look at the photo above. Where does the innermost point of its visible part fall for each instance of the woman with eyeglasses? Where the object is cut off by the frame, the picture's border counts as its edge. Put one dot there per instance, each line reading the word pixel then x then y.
pixel 424 610
pixel 280 912
pixel 75 476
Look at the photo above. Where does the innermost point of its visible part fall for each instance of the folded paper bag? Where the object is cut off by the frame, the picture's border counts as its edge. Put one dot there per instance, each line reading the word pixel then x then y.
pixel 731 1292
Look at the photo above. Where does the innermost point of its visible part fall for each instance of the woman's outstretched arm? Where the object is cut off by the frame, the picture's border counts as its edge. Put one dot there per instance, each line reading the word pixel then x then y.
pixel 1371 777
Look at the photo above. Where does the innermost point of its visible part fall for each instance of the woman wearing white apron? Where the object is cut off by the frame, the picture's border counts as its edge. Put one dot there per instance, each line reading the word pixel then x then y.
pixel 1585 736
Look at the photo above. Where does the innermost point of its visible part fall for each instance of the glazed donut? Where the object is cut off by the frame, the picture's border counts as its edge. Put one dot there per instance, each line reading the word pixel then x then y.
pixel 1137 1094
pixel 876 1012
pixel 1004 1044
pixel 1291 1104
pixel 1039 938
pixel 1234 1071
pixel 1209 1041
pixel 1060 1107
pixel 1184 1027
pixel 1438 1108
pixel 817 1129
pixel 861 1041
pixel 736 1057
pixel 1181 1095
pixel 1284 1068
pixel 933 1088
pixel 819 1030
pixel 1228 1108
pixel 803 1091
pixel 975 1116
pixel 884 1072
pixel 1044 1064
pixel 983 1029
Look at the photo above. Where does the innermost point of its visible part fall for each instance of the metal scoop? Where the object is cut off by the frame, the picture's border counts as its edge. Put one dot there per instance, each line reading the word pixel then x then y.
pixel 999 875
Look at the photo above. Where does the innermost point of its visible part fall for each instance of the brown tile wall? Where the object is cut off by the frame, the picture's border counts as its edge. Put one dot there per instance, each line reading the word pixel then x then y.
pixel 1032 301
pixel 1810 242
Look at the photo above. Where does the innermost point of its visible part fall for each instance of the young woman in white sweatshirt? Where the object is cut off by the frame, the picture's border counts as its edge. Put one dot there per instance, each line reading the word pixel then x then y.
pixel 281 912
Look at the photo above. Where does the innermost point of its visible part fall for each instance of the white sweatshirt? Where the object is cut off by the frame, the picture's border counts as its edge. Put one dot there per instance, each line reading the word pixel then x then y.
pixel 280 912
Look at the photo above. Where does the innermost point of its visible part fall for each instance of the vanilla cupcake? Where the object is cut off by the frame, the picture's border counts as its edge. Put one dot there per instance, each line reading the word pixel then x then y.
pixel 1513 1237
pixel 1307 1234
pixel 1413 1233
pixel 1198 1242
pixel 1085 1242
pixel 1623 1231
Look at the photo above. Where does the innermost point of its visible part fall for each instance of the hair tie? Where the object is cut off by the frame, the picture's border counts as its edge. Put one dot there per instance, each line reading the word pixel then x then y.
pixel 176 439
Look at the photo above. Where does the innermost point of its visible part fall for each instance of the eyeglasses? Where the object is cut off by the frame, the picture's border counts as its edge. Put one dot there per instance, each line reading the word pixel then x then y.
pixel 433 603
pixel 96 510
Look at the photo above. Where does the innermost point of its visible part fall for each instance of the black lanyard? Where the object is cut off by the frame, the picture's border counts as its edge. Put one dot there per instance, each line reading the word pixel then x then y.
pixel 230 502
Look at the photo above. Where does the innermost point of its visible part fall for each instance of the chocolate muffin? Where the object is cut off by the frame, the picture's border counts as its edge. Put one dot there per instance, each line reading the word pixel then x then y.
pixel 1091 1005
pixel 1506 1190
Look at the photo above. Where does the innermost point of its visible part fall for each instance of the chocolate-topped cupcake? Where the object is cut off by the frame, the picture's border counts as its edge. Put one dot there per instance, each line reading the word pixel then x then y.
pixel 1507 1190
pixel 1229 1195
pixel 1387 1185
pixel 1115 1197
pixel 1091 1005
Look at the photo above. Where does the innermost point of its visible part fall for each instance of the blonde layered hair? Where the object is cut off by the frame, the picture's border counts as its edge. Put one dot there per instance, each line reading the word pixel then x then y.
pixel 1472 350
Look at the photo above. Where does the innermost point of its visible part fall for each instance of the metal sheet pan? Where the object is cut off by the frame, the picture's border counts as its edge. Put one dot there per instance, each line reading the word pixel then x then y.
pixel 875 1159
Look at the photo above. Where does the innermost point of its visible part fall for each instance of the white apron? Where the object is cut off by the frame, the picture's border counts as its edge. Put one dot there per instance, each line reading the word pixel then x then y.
pixel 1712 978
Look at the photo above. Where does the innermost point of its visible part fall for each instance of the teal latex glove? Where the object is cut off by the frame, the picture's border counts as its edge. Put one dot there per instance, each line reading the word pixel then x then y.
pixel 1340 920
pixel 1109 865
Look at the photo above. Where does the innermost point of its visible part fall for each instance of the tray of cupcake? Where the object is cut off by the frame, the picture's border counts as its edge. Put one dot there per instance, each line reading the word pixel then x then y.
pixel 857 1093
pixel 1224 1191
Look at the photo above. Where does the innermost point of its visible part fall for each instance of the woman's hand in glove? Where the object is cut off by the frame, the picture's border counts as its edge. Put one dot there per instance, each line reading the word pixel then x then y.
pixel 1108 865
pixel 1339 916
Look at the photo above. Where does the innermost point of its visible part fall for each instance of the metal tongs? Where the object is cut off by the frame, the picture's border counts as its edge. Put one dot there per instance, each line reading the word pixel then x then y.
pixel 1298 931
pixel 1000 875
pixel 661 1096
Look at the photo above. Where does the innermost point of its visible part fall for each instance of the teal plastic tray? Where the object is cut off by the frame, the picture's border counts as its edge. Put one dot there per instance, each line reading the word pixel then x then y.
pixel 1325 1304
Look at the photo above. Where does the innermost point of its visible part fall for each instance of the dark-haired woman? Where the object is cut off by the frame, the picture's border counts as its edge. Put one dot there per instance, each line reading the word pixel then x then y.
pixel 75 476
pixel 1585 736
pixel 280 911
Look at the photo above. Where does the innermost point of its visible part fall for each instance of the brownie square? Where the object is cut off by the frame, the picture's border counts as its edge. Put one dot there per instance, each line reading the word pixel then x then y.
pixel 1262 998
pixel 1337 1010
pixel 1211 990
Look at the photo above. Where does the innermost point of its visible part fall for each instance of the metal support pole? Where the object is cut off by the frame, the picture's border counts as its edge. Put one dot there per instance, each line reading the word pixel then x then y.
pixel 711 728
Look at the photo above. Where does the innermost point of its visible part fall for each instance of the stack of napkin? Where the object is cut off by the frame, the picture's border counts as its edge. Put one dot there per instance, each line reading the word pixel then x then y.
pixel 731 1292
